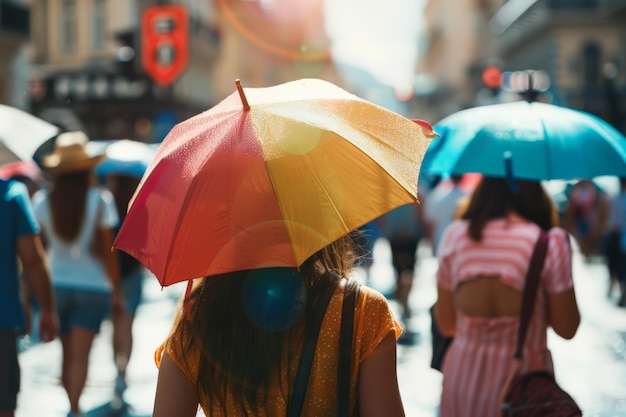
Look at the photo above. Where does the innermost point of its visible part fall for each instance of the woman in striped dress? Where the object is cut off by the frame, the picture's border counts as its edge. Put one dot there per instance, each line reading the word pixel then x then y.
pixel 483 259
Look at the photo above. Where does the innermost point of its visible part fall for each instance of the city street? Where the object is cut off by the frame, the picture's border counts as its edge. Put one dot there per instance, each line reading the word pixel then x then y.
pixel 282 124
pixel 592 366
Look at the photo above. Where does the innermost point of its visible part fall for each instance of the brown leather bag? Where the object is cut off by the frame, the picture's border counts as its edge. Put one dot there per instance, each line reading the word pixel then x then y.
pixel 536 394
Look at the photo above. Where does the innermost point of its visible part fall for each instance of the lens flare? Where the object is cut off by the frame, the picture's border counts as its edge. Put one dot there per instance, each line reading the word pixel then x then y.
pixel 297 53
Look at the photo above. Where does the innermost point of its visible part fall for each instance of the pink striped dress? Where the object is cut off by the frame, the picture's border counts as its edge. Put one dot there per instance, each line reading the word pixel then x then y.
pixel 475 366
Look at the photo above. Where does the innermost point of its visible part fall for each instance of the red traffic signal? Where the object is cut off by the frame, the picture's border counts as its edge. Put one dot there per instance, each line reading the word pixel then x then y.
pixel 492 76
pixel 165 42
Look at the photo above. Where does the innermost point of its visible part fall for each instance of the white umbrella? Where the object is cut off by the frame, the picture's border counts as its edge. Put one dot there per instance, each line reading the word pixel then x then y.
pixel 22 133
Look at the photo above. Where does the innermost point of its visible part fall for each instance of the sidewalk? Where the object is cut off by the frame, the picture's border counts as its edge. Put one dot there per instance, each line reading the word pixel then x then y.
pixel 592 366
pixel 43 396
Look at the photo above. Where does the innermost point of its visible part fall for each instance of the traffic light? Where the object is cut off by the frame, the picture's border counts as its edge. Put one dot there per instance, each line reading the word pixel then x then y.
pixel 126 54
pixel 492 77
pixel 165 42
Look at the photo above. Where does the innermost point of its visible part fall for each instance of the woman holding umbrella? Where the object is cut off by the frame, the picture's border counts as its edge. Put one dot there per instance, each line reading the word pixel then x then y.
pixel 258 196
pixel 254 201
pixel 219 356
pixel 483 258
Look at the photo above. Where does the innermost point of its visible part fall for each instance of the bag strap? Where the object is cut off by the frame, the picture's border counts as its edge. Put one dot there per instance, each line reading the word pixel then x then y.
pixel 530 290
pixel 350 302
pixel 294 407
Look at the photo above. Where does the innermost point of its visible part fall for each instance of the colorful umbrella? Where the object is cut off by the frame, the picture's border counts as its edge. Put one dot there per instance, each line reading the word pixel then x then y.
pixel 22 134
pixel 526 140
pixel 267 184
pixel 28 169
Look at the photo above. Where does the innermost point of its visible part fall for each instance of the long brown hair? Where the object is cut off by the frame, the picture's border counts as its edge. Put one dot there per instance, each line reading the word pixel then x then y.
pixel 123 187
pixel 494 198
pixel 232 348
pixel 67 199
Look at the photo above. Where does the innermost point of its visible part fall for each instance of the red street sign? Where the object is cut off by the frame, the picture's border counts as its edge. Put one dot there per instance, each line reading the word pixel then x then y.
pixel 165 42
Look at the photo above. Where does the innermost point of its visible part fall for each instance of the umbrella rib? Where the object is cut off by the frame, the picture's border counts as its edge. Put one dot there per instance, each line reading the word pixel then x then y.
pixel 177 229
pixel 280 207
pixel 317 178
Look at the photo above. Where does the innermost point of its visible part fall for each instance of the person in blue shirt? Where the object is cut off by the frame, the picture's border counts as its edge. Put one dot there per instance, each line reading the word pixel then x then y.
pixel 20 246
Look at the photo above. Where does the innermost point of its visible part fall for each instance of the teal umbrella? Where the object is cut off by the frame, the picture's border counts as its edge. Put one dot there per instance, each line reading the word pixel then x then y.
pixel 123 156
pixel 526 140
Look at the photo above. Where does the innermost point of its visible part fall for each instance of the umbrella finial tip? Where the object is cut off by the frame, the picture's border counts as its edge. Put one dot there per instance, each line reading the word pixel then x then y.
pixel 242 95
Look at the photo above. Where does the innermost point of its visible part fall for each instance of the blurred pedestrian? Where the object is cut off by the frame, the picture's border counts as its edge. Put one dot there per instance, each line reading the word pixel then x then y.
pixel 616 244
pixel 403 228
pixel 218 357
pixel 20 240
pixel 29 174
pixel 77 220
pixel 585 216
pixel 441 206
pixel 483 259
pixel 367 236
pixel 32 186
pixel 131 275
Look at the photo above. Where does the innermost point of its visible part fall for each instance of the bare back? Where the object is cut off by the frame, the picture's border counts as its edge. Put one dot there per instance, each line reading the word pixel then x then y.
pixel 487 296
pixel 486 279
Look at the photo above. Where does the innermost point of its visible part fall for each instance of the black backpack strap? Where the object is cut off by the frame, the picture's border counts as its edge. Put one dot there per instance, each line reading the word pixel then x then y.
pixel 350 302
pixel 294 408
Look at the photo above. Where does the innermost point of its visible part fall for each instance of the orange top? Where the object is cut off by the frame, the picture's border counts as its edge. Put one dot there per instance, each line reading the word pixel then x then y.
pixel 373 320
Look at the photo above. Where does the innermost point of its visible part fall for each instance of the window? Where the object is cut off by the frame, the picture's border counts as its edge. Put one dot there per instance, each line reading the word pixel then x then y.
pixel 98 26
pixel 68 26
pixel 592 54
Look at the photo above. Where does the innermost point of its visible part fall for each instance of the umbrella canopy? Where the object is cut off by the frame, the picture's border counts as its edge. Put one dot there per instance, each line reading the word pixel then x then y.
pixel 468 182
pixel 268 177
pixel 28 169
pixel 22 134
pixel 123 156
pixel 526 140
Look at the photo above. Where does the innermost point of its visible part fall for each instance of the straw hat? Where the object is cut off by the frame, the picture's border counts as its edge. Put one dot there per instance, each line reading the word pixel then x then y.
pixel 70 155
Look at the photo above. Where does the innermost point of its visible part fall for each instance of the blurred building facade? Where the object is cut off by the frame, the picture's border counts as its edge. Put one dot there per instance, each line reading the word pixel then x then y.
pixel 87 73
pixel 456 46
pixel 271 42
pixel 83 77
pixel 14 33
pixel 578 43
